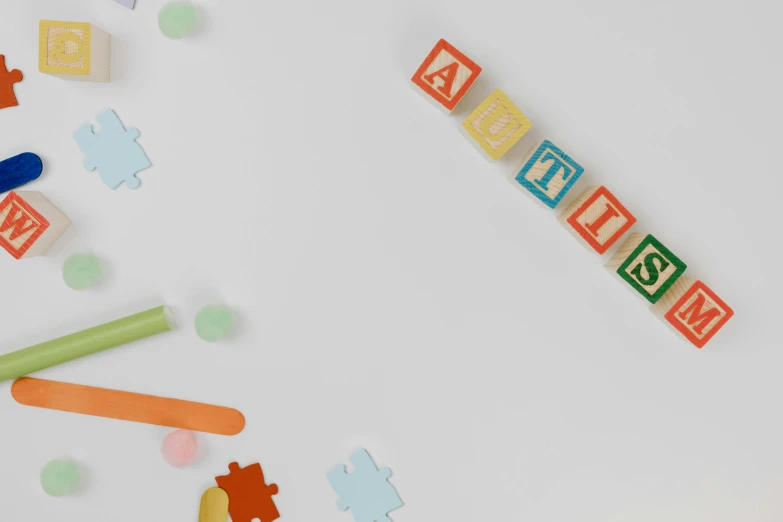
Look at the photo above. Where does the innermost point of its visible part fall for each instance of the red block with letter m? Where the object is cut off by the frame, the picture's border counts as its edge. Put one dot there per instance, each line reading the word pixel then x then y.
pixel 698 313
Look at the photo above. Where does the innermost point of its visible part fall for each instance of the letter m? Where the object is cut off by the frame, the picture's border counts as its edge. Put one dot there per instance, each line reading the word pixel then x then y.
pixel 696 317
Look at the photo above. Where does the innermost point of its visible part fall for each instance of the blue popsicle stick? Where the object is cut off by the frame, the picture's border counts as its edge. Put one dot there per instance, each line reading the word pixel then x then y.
pixel 21 169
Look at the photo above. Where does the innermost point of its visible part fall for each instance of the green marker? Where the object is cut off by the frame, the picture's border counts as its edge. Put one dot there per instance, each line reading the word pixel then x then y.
pixel 93 340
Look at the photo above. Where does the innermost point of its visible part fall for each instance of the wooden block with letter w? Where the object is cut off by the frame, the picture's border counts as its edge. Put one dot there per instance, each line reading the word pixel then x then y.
pixel 29 224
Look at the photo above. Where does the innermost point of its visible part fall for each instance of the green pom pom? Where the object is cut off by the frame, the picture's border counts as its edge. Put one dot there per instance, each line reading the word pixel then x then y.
pixel 59 477
pixel 177 19
pixel 214 322
pixel 81 271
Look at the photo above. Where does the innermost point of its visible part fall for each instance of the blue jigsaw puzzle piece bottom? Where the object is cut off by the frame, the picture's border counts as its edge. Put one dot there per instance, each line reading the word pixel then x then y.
pixel 21 169
pixel 365 490
pixel 113 151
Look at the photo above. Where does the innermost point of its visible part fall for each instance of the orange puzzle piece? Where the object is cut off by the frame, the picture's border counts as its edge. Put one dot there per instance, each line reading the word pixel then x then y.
pixel 249 496
pixel 7 81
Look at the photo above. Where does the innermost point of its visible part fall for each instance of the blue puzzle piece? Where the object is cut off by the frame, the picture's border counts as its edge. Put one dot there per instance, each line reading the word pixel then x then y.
pixel 114 151
pixel 126 3
pixel 21 169
pixel 365 490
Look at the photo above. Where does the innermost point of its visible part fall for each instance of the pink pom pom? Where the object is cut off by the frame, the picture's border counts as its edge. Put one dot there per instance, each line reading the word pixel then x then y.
pixel 179 448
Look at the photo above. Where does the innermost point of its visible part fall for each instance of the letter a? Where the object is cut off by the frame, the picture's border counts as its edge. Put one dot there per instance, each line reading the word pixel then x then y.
pixel 447 74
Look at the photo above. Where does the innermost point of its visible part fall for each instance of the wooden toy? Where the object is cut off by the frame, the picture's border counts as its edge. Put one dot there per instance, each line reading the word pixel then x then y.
pixel 548 173
pixel 121 405
pixel 74 51
pixel 446 76
pixel 29 224
pixel 496 125
pixel 93 340
pixel 113 151
pixel 693 310
pixel 249 496
pixel 366 490
pixel 648 266
pixel 22 168
pixel 7 81
pixel 214 506
pixel 598 218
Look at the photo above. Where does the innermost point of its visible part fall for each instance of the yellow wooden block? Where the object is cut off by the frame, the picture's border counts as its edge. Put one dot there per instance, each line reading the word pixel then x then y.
pixel 74 51
pixel 214 506
pixel 496 125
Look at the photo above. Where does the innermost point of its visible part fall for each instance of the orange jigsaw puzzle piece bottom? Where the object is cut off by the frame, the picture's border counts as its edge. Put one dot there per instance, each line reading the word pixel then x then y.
pixel 249 496
pixel 7 81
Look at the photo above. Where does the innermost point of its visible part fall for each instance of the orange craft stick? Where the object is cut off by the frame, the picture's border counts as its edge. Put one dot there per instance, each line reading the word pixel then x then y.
pixel 136 407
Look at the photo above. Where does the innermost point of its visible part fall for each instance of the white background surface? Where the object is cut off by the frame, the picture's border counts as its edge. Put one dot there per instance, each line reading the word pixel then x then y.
pixel 396 291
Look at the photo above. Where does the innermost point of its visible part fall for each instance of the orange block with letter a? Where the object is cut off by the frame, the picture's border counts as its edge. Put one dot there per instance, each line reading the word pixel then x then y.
pixel 446 75
pixel 694 310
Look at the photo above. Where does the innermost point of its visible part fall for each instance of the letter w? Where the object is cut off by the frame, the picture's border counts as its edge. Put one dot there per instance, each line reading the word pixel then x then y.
pixel 19 221
pixel 695 318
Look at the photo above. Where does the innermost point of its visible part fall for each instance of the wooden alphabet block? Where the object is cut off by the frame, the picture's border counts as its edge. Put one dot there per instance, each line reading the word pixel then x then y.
pixel 446 75
pixel 74 51
pixel 693 310
pixel 648 266
pixel 598 218
pixel 29 224
pixel 496 125
pixel 548 173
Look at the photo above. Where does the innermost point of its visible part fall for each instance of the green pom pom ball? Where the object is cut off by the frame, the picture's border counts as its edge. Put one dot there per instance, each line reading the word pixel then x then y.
pixel 177 19
pixel 214 322
pixel 60 477
pixel 81 271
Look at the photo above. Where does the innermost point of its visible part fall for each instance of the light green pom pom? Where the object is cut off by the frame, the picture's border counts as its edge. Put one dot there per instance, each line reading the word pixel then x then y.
pixel 81 271
pixel 59 477
pixel 177 19
pixel 214 322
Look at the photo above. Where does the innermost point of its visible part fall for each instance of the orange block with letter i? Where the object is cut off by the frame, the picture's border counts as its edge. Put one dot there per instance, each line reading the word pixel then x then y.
pixel 446 75
pixel 598 218
pixel 694 310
